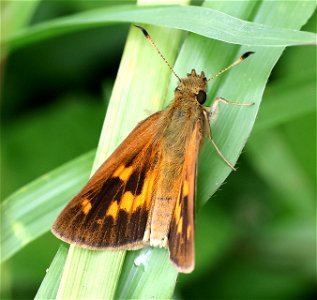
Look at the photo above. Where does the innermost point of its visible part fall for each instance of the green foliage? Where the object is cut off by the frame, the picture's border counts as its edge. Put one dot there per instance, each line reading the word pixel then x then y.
pixel 196 19
pixel 255 237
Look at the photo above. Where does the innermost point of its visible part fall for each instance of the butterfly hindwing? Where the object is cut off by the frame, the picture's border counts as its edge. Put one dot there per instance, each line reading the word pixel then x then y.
pixel 182 229
pixel 112 211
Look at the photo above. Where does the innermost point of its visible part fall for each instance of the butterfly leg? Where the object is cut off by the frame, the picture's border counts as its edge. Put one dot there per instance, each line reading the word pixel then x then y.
pixel 212 114
pixel 221 155
pixel 214 107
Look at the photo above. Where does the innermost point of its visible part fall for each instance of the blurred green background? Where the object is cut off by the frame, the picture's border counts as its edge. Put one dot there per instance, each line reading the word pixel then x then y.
pixel 263 218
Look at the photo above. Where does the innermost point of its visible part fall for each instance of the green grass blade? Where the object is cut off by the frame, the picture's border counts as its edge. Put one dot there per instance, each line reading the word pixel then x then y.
pixel 30 211
pixel 15 15
pixel 201 20
pixel 49 288
pixel 88 274
pixel 147 274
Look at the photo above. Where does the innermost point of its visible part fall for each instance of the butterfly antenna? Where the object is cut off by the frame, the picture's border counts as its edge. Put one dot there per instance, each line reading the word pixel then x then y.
pixel 157 49
pixel 239 60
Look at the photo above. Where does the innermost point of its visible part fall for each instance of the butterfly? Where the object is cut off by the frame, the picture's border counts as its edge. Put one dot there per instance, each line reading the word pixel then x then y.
pixel 144 193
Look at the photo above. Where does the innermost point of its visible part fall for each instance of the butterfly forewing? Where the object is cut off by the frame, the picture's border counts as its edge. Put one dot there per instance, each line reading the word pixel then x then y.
pixel 113 209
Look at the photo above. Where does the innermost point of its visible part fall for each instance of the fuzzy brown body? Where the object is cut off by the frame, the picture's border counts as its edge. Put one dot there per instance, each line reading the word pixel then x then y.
pixel 178 123
pixel 144 192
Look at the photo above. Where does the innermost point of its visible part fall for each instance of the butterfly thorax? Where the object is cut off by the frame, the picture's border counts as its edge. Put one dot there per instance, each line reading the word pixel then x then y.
pixel 186 109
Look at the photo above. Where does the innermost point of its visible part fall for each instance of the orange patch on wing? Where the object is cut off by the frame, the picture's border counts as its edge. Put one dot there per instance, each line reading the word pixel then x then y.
pixel 149 189
pixel 180 226
pixel 126 201
pixel 113 210
pixel 123 173
pixel 178 207
pixel 144 199
pixel 185 188
pixel 138 202
pixel 146 194
pixel 86 206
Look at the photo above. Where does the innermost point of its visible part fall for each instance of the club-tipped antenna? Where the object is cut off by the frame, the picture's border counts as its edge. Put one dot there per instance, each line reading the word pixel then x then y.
pixel 239 60
pixel 157 49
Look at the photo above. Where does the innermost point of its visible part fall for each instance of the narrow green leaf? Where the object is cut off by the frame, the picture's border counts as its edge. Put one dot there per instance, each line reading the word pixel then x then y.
pixel 49 287
pixel 15 15
pixel 88 274
pixel 148 275
pixel 30 211
pixel 201 20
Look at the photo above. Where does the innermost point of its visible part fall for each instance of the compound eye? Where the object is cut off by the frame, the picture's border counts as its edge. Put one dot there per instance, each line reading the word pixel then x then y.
pixel 201 97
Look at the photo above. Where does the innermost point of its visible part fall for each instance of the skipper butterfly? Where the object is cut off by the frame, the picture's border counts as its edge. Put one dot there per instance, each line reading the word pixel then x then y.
pixel 144 193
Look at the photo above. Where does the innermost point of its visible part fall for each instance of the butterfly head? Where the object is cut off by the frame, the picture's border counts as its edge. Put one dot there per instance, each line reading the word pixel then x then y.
pixel 194 85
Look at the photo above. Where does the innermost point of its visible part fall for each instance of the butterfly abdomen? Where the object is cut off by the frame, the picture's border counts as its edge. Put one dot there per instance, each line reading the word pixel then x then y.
pixel 169 180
